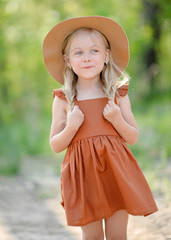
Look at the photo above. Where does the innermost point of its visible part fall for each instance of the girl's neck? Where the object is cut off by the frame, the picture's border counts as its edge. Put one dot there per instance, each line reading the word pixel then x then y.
pixel 89 89
pixel 88 83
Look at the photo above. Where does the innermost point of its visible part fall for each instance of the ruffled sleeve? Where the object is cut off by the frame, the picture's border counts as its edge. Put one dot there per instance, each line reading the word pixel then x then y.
pixel 123 90
pixel 59 93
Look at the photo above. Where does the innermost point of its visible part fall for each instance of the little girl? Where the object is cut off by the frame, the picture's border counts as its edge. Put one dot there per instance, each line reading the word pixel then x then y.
pixel 92 118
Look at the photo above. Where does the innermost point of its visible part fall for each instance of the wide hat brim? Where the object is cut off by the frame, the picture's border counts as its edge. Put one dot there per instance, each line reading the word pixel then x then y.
pixel 52 45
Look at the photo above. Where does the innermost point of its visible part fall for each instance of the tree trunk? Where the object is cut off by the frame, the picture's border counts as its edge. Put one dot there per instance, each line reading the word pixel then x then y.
pixel 151 54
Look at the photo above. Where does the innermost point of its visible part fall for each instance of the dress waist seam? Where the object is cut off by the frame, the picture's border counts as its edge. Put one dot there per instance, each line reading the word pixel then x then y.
pixel 107 135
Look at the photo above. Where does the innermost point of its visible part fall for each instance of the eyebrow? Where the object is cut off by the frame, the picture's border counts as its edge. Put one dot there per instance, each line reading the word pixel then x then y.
pixel 83 48
pixel 75 49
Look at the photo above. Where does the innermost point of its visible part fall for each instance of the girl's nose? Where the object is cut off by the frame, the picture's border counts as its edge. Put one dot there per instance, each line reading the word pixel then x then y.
pixel 86 57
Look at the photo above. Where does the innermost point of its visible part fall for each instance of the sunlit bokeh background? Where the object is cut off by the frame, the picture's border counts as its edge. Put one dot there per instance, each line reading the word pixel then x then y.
pixel 26 87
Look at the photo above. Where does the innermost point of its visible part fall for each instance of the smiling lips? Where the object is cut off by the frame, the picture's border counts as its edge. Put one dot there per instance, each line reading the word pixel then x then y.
pixel 87 67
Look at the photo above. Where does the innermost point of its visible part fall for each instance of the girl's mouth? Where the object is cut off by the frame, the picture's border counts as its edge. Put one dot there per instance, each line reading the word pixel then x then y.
pixel 87 67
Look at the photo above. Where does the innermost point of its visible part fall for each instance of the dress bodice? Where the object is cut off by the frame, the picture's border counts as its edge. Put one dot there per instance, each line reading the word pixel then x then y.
pixel 94 123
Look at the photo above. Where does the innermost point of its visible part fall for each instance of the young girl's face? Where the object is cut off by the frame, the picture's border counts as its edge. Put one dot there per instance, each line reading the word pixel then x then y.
pixel 87 55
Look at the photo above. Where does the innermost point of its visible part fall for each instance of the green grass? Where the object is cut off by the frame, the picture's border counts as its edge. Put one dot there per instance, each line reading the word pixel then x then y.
pixel 21 138
pixel 152 150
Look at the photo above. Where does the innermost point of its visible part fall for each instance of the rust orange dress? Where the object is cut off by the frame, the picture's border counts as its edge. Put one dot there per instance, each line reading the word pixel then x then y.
pixel 99 174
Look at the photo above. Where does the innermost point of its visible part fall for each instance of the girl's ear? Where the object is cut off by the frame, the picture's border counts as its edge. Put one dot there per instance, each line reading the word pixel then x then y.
pixel 66 59
pixel 107 55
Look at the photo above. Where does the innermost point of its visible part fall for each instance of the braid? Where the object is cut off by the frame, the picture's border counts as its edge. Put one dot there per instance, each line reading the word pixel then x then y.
pixel 112 77
pixel 70 80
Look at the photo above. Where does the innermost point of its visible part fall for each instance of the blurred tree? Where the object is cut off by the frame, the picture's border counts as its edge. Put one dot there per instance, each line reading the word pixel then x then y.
pixel 151 54
pixel 3 62
pixel 155 16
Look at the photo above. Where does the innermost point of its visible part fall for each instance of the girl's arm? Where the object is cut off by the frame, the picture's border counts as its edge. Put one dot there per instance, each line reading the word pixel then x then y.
pixel 122 119
pixel 64 124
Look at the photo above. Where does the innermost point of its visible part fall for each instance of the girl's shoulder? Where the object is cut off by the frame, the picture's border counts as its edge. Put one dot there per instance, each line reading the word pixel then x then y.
pixel 59 93
pixel 122 90
pixel 59 105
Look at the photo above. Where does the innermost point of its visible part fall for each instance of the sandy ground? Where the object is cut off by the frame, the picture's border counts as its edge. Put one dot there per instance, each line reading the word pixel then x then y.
pixel 30 207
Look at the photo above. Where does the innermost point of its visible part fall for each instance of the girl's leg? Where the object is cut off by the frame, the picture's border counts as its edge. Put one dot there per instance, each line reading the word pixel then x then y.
pixel 116 226
pixel 93 231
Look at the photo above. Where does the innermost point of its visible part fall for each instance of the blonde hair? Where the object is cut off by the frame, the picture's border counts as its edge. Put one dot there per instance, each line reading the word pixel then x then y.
pixel 112 77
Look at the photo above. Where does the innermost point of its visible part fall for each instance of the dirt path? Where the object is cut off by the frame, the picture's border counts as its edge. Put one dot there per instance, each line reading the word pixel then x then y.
pixel 30 208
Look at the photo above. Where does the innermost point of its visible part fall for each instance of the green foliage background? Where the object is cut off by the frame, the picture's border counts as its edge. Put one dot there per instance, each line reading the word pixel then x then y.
pixel 26 87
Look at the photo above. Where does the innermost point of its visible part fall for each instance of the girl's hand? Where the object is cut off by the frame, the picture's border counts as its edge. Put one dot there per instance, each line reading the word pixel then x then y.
pixel 112 112
pixel 75 118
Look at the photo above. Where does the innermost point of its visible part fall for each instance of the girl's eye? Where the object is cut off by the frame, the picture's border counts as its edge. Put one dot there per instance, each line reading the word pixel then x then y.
pixel 94 50
pixel 78 53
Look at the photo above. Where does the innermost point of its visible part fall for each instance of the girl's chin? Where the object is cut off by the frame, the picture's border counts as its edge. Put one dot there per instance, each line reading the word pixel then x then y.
pixel 89 78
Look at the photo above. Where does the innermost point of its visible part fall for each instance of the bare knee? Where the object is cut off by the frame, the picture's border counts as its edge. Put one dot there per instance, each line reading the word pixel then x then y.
pixel 93 231
pixel 116 226
pixel 93 237
pixel 116 237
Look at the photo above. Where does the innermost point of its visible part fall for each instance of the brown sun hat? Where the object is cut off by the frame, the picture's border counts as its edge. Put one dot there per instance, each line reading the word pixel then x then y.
pixel 52 45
